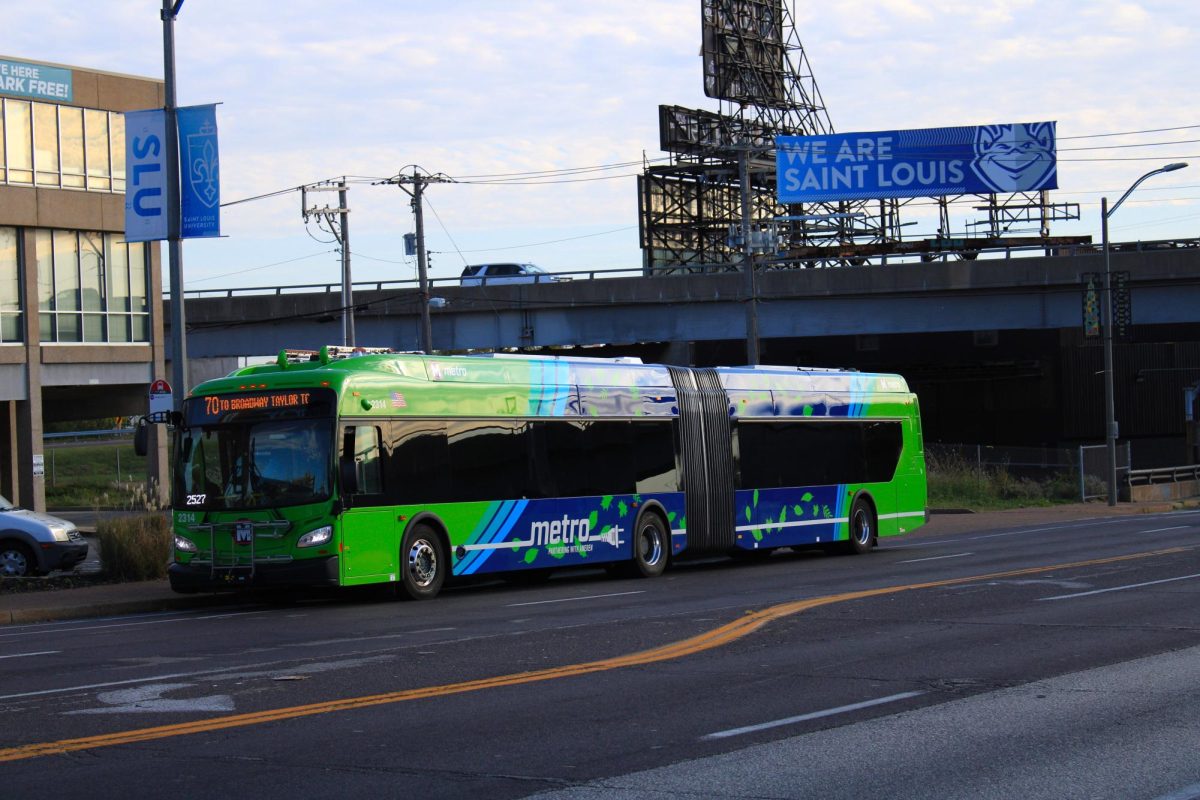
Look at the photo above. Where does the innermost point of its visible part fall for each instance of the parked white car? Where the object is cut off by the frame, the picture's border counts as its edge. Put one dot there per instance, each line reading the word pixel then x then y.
pixel 495 274
pixel 32 543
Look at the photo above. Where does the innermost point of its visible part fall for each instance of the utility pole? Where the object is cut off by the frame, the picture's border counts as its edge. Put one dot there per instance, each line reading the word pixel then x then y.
pixel 419 181
pixel 339 222
pixel 174 246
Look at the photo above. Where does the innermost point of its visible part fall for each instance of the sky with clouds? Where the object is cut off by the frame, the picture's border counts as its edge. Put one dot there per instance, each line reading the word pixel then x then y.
pixel 312 91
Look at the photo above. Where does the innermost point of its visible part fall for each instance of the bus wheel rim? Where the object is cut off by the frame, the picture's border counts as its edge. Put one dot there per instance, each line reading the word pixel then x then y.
pixel 862 527
pixel 652 548
pixel 422 563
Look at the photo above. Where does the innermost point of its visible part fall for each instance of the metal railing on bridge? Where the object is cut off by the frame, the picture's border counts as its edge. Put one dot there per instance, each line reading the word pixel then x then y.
pixel 766 263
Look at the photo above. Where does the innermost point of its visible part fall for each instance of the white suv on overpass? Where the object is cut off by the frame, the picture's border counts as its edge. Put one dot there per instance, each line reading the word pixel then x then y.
pixel 494 274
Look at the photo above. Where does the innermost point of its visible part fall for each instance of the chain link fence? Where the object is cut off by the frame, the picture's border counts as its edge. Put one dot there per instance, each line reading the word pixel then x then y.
pixel 1086 464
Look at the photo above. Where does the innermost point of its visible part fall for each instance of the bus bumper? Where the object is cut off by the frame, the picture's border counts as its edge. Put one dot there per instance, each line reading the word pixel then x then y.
pixel 188 578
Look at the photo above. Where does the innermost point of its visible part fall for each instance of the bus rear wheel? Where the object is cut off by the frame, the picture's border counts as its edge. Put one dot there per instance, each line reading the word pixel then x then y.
pixel 862 527
pixel 651 547
pixel 423 563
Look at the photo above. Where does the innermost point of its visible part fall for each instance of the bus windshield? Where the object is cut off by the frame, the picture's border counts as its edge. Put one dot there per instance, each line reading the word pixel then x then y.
pixel 254 464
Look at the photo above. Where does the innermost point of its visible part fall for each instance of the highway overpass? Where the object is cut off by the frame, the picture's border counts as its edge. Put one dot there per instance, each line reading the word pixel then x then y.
pixel 994 346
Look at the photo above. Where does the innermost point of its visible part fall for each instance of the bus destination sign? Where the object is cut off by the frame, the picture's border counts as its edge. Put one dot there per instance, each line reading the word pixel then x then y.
pixel 215 407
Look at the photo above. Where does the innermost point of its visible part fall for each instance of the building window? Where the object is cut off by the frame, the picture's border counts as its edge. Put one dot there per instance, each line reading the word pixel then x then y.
pixel 11 325
pixel 61 146
pixel 18 141
pixel 92 287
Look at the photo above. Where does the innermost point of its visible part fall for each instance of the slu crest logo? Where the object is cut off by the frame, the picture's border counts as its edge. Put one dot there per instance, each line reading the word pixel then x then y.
pixel 203 172
pixel 1016 158
pixel 200 181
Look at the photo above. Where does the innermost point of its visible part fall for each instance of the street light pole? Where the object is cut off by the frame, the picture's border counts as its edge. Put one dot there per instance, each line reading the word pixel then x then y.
pixel 170 10
pixel 1110 414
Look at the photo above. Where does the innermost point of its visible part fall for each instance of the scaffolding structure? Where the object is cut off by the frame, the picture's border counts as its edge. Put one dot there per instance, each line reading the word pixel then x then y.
pixel 691 215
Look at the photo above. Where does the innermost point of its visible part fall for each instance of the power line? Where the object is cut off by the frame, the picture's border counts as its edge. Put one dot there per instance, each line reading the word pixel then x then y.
pixel 1116 146
pixel 1128 133
pixel 550 182
pixel 550 241
pixel 264 266
pixel 564 170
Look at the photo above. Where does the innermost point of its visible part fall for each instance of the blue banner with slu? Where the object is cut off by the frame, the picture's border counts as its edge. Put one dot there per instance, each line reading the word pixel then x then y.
pixel 146 181
pixel 930 162
pixel 199 174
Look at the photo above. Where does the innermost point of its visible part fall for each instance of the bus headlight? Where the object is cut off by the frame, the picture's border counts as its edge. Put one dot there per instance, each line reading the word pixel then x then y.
pixel 318 537
pixel 184 545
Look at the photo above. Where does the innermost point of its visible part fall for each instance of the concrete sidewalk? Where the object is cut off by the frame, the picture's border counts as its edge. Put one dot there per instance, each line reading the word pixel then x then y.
pixel 150 596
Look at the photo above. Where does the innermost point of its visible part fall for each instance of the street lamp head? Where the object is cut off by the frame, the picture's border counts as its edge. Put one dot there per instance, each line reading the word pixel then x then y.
pixel 1168 168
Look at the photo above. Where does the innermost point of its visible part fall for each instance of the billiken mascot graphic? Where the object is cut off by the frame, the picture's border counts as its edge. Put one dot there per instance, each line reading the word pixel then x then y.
pixel 1016 158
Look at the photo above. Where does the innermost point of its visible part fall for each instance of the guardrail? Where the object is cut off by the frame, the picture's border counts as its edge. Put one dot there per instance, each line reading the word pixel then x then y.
pixel 702 269
pixel 1149 477
pixel 111 432
pixel 406 283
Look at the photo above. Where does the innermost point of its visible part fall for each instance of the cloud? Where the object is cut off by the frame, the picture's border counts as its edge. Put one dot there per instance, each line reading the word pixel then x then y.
pixel 476 87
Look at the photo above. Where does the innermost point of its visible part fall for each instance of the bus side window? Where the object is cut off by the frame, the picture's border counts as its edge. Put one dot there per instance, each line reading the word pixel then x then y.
pixel 361 445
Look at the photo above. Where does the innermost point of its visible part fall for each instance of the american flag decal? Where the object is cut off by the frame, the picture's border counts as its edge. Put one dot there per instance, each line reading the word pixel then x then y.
pixel 398 400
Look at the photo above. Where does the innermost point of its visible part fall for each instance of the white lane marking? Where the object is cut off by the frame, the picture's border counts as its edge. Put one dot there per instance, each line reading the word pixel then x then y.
pixel 86 687
pixel 150 700
pixel 1121 588
pixel 572 599
pixel 829 712
pixel 223 673
pixel 934 558
pixel 1086 524
pixel 1160 530
pixel 39 653
pixel 85 628
pixel 1186 793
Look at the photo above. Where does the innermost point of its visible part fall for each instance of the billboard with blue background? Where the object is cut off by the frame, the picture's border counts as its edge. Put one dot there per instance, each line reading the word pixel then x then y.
pixel 929 162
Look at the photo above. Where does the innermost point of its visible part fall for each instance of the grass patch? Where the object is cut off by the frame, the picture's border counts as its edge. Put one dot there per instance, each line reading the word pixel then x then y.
pixel 135 548
pixel 102 475
pixel 953 483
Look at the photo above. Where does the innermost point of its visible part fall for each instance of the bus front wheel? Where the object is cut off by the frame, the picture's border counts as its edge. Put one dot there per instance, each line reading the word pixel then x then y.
pixel 423 563
pixel 862 527
pixel 651 547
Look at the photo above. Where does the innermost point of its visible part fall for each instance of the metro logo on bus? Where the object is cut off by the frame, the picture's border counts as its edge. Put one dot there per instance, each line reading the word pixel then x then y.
pixel 441 372
pixel 567 531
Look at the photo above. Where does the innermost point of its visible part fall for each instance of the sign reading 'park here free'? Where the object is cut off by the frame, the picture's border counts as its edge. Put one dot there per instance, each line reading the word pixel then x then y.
pixel 930 162
pixel 36 81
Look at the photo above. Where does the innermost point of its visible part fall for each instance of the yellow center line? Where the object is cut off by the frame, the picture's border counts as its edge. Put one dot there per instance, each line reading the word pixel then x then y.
pixel 717 637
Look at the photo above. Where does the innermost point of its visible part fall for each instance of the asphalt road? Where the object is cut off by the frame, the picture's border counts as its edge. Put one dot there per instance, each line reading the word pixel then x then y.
pixel 1060 661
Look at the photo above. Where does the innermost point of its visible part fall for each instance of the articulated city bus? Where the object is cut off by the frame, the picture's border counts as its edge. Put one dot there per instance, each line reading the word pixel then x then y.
pixel 344 468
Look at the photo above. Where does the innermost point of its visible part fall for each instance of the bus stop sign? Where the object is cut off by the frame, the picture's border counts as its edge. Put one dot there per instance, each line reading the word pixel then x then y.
pixel 160 397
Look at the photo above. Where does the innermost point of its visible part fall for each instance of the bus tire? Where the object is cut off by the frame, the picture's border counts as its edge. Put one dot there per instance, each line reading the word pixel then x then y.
pixel 423 563
pixel 863 527
pixel 651 546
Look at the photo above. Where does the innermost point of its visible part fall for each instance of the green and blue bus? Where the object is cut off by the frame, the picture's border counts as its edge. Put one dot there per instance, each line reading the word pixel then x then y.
pixel 343 467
